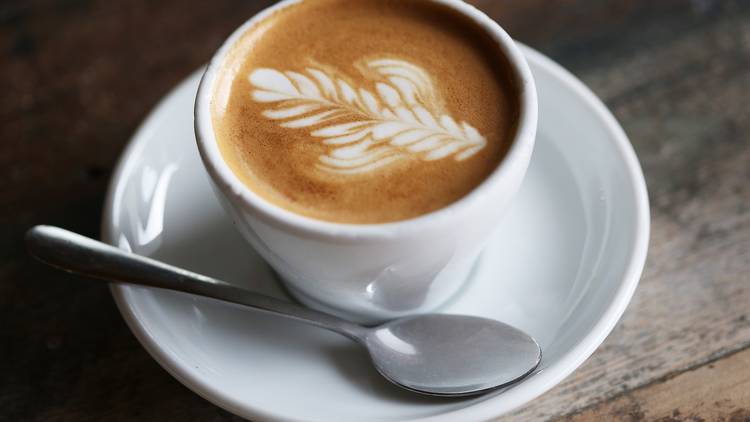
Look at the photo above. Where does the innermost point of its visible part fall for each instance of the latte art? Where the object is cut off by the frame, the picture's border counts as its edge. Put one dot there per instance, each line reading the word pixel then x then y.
pixel 400 117
pixel 364 111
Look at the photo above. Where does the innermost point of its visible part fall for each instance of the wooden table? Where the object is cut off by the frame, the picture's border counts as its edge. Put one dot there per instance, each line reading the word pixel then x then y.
pixel 78 76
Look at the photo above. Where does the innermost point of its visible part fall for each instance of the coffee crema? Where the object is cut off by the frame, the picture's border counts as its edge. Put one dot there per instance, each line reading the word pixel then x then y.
pixel 364 111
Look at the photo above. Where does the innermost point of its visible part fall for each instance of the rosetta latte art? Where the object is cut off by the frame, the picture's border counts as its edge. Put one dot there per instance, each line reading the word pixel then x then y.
pixel 401 118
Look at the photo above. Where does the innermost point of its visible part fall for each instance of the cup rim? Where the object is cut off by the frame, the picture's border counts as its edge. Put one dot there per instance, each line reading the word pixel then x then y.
pixel 231 185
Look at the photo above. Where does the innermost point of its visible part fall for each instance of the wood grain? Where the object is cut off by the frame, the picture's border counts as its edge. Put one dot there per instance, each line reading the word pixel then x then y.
pixel 718 391
pixel 77 77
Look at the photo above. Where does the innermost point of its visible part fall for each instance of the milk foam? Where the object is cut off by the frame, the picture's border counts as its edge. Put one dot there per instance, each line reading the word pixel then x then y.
pixel 364 111
pixel 398 115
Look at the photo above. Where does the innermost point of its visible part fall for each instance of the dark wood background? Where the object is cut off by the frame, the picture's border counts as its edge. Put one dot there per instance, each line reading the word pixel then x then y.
pixel 77 76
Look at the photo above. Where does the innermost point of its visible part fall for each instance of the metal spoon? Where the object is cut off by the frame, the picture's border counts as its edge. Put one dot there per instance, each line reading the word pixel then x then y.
pixel 434 354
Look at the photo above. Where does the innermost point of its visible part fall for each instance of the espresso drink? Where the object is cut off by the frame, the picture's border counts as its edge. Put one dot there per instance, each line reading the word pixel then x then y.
pixel 364 111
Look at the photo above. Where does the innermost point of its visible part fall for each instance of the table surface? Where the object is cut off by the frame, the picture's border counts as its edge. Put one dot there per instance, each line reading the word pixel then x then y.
pixel 79 75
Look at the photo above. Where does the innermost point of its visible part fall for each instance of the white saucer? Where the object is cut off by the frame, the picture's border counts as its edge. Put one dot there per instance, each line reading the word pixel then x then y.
pixel 562 266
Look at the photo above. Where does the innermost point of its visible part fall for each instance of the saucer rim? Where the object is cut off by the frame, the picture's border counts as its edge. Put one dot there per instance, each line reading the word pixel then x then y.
pixel 511 399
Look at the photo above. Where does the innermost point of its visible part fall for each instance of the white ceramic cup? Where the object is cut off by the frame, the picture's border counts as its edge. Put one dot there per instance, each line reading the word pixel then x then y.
pixel 374 272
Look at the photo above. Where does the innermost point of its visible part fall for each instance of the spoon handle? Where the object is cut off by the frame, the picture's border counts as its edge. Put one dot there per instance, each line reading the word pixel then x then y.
pixel 78 254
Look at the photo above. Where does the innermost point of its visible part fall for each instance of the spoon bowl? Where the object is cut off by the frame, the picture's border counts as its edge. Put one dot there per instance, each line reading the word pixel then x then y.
pixel 451 355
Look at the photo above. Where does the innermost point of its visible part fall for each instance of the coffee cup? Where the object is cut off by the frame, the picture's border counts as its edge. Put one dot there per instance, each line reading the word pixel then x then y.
pixel 381 263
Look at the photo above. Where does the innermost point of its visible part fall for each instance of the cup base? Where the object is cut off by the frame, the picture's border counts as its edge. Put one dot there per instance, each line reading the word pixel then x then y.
pixel 311 302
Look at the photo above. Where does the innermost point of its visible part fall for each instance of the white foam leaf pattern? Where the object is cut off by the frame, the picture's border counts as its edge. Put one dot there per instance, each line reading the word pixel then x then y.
pixel 400 117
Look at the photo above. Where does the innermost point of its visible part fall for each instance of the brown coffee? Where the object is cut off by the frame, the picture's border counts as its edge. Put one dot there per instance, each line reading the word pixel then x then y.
pixel 364 111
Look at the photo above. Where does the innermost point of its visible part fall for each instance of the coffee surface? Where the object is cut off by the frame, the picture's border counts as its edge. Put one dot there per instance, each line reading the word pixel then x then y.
pixel 364 111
